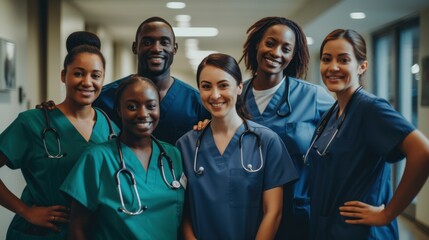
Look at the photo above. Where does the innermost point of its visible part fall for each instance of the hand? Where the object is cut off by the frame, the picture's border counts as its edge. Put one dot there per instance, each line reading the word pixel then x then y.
pixel 47 217
pixel 362 213
pixel 49 105
pixel 201 125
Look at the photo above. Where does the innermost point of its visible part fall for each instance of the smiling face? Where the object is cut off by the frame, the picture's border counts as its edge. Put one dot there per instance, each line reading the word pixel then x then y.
pixel 339 67
pixel 218 91
pixel 155 48
pixel 83 78
pixel 275 50
pixel 138 110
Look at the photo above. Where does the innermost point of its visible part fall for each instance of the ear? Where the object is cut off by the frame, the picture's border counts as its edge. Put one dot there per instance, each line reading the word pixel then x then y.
pixel 63 76
pixel 134 48
pixel 176 46
pixel 362 67
pixel 240 89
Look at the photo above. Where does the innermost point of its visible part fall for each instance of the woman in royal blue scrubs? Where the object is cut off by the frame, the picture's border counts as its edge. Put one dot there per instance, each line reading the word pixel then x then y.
pixel 276 53
pixel 353 146
pixel 234 184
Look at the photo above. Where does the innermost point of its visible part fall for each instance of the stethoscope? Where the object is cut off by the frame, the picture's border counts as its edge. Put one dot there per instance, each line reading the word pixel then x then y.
pixel 247 131
pixel 48 129
pixel 323 125
pixel 123 170
pixel 284 102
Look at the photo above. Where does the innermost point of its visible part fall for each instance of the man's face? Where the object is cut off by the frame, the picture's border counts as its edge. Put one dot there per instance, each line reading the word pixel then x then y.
pixel 155 48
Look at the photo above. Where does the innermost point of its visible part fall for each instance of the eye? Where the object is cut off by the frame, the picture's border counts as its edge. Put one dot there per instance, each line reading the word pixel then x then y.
pixel 152 106
pixel 78 74
pixel 165 42
pixel 325 59
pixel 286 49
pixel 269 43
pixel 132 107
pixel 223 85
pixel 205 86
pixel 96 76
pixel 344 60
pixel 147 42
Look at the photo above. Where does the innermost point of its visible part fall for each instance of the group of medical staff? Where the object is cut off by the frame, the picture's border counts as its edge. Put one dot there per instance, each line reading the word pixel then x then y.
pixel 278 158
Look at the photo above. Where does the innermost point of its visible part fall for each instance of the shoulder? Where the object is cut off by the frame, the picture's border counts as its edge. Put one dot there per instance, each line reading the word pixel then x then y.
pixel 183 86
pixel 113 85
pixel 188 139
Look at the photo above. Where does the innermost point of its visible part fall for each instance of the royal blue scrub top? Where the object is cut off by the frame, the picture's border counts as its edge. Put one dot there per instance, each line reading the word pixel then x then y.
pixel 225 202
pixel 180 109
pixel 356 167
pixel 308 102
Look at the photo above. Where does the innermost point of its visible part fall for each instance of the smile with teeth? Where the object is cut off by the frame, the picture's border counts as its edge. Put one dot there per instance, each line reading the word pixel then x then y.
pixel 217 104
pixel 272 62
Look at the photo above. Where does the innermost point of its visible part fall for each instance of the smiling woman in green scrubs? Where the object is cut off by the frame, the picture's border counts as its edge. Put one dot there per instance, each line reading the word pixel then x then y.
pixel 105 208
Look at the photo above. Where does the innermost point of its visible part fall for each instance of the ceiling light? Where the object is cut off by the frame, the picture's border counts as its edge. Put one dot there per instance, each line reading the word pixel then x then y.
pixel 176 5
pixel 195 31
pixel 357 15
pixel 415 69
pixel 310 41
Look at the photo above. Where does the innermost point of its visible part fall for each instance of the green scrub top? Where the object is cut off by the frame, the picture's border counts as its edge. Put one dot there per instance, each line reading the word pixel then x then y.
pixel 92 182
pixel 22 144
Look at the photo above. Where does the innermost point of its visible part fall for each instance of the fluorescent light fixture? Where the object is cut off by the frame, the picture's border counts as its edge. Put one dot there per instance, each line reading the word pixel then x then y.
pixel 310 41
pixel 183 18
pixel 415 69
pixel 357 15
pixel 195 31
pixel 176 5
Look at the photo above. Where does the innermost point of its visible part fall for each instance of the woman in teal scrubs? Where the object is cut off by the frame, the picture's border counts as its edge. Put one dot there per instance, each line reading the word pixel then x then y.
pixel 236 173
pixel 151 211
pixel 42 212
pixel 276 53
pixel 350 180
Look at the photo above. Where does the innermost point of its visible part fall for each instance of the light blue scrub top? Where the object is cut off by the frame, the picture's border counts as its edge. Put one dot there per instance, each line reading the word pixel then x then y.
pixel 308 102
pixel 356 167
pixel 180 109
pixel 226 201
pixel 22 144
pixel 92 182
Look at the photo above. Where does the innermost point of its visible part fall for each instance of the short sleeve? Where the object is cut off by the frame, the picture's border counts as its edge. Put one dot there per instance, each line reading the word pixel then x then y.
pixel 83 181
pixel 385 129
pixel 16 143
pixel 279 168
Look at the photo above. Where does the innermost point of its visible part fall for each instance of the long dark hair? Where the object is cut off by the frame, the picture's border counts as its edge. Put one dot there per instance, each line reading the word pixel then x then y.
pixel 297 67
pixel 228 64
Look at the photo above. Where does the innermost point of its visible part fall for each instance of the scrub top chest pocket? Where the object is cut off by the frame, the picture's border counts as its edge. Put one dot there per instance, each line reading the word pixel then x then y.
pixel 245 188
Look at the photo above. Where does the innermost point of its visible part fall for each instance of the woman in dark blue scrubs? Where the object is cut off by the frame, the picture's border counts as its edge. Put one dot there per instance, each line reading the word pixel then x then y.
pixel 350 188
pixel 235 167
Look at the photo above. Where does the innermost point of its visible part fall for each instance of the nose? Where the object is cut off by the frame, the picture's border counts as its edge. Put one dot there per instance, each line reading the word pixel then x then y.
pixel 276 51
pixel 215 94
pixel 334 66
pixel 156 47
pixel 142 112
pixel 87 80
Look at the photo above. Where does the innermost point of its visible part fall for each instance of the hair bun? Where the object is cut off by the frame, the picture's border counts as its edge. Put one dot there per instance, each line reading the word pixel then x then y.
pixel 81 38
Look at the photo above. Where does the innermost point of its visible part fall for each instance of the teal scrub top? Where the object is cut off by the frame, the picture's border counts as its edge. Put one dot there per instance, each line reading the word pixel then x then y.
pixel 22 144
pixel 92 182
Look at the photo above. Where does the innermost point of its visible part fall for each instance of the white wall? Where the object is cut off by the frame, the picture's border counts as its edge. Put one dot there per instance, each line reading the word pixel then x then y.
pixel 422 208
pixel 13 27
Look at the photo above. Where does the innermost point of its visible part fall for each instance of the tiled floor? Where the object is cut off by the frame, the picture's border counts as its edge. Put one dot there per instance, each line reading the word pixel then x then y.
pixel 408 231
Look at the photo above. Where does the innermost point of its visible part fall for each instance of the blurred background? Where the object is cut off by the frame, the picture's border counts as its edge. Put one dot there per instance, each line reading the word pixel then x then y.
pixel 33 34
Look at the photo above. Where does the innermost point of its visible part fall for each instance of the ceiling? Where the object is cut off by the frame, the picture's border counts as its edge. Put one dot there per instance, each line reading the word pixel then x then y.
pixel 120 18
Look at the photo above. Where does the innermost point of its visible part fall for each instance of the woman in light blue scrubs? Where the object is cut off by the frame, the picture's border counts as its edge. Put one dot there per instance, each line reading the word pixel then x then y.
pixel 235 167
pixel 350 181
pixel 106 204
pixel 42 212
pixel 277 55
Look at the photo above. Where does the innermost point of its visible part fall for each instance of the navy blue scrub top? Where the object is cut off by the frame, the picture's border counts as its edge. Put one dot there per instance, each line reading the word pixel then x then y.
pixel 356 167
pixel 225 202
pixel 180 109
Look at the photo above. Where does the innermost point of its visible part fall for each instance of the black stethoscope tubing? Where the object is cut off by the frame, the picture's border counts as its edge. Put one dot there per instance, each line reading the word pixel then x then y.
pixel 323 125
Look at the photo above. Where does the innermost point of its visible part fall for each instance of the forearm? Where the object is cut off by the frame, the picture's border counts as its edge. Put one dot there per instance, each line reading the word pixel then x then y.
pixel 269 225
pixel 81 220
pixel 188 232
pixel 11 202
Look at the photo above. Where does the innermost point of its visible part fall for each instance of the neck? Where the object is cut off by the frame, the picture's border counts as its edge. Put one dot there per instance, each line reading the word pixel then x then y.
pixel 226 124
pixel 344 97
pixel 135 142
pixel 75 111
pixel 263 81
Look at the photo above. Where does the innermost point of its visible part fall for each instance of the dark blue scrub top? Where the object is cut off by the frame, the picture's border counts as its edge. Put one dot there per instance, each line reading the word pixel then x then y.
pixel 356 167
